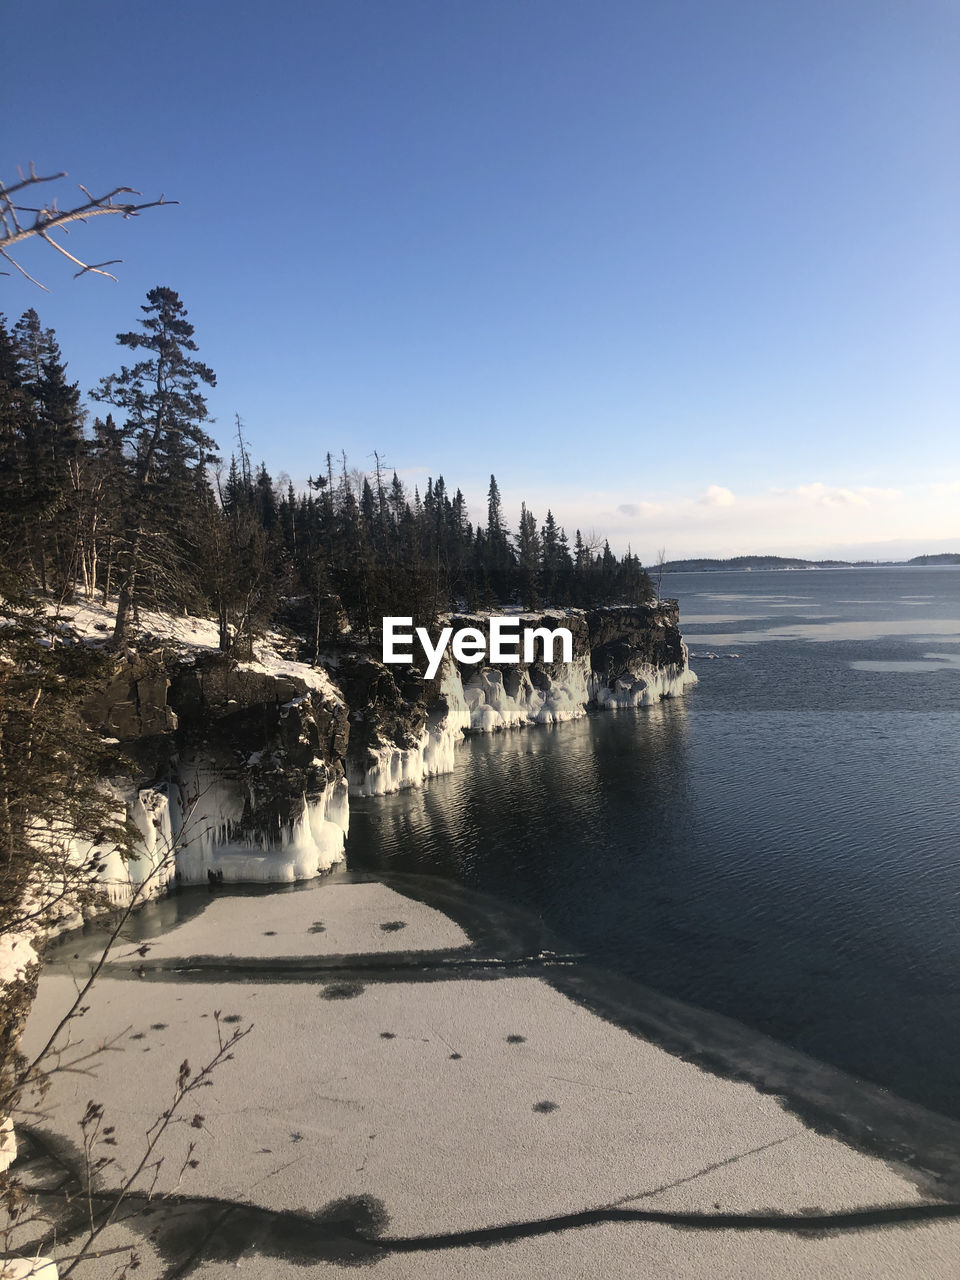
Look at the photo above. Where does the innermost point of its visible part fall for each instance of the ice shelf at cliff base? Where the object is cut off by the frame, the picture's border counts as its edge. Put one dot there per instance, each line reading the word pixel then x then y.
pixel 263 757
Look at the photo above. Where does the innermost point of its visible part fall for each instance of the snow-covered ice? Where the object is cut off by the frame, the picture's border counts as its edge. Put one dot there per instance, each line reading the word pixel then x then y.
pixel 322 919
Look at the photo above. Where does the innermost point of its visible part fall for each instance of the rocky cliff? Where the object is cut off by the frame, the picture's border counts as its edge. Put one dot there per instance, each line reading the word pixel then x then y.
pixel 245 768
pixel 622 657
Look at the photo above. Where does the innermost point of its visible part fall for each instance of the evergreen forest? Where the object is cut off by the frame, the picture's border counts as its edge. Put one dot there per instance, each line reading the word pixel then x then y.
pixel 133 501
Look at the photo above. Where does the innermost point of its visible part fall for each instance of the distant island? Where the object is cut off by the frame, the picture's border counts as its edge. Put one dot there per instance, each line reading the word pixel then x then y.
pixel 791 562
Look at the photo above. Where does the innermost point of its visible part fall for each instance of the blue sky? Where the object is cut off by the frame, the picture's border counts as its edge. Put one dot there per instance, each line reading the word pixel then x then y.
pixel 688 271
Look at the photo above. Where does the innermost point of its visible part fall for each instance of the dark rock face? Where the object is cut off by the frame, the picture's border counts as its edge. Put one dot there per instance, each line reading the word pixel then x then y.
pixel 273 735
pixel 279 739
pixel 248 710
pixel 388 704
pixel 132 706
pixel 622 640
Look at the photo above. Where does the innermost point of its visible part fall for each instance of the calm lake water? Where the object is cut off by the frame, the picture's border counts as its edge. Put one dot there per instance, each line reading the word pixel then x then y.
pixel 781 845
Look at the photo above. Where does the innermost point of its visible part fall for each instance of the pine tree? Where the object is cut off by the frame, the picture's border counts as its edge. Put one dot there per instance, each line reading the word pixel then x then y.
pixel 16 407
pixel 165 408
pixel 104 500
pixel 528 557
pixel 495 526
pixel 50 430
pixel 499 558
pixel 555 560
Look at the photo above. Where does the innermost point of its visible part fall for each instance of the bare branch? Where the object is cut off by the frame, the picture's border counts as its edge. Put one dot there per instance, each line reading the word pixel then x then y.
pixel 16 264
pixel 15 228
pixel 83 267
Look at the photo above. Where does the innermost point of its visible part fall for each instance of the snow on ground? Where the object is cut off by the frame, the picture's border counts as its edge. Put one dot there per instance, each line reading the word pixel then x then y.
pixel 94 622
pixel 16 953
pixel 317 920
pixel 464 1104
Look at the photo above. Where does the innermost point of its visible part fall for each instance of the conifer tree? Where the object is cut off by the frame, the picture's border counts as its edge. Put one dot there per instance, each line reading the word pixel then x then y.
pixel 528 557
pixel 498 557
pixel 49 430
pixel 15 406
pixel 161 395
pixel 103 502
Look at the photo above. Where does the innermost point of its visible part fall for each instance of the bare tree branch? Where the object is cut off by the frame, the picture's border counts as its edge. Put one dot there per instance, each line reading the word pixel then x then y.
pixel 20 222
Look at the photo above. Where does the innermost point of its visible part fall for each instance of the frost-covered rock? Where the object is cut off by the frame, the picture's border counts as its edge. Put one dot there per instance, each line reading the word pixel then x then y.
pixel 385 767
pixel 146 870
pixel 217 834
pixel 246 767
pixel 405 729
pixel 245 761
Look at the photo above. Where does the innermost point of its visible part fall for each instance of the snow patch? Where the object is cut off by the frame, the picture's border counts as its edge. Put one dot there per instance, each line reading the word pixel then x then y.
pixel 17 953
pixel 21 1268
pixel 8 1147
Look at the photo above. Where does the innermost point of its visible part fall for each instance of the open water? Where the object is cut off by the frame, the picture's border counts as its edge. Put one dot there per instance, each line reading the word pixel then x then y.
pixel 781 845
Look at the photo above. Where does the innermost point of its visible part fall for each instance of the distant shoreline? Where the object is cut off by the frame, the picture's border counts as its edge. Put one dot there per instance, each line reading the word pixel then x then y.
pixel 780 563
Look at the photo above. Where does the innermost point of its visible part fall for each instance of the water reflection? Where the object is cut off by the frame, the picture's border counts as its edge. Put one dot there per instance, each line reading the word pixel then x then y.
pixel 778 846
pixel 535 802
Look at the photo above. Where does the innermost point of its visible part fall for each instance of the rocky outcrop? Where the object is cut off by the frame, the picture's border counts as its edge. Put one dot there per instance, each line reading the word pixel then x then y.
pixel 637 655
pixel 625 641
pixel 245 766
pixel 239 766
pixel 405 729
pixel 132 707
pixel 278 735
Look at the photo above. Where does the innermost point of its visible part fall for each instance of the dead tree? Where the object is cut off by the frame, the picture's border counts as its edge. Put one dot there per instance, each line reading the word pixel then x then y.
pixel 20 222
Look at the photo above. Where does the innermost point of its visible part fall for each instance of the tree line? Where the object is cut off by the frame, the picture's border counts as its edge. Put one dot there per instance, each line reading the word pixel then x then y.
pixel 138 506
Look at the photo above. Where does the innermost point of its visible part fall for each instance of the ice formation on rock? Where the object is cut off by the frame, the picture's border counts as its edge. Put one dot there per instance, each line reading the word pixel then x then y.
pixel 391 768
pixel 211 837
pixel 493 699
pixel 214 820
pixel 494 705
pixel 149 867
pixel 648 686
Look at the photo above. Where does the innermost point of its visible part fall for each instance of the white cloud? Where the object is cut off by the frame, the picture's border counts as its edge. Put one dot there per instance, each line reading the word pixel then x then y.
pixel 804 519
pixel 716 495
pixel 643 510
pixel 823 495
